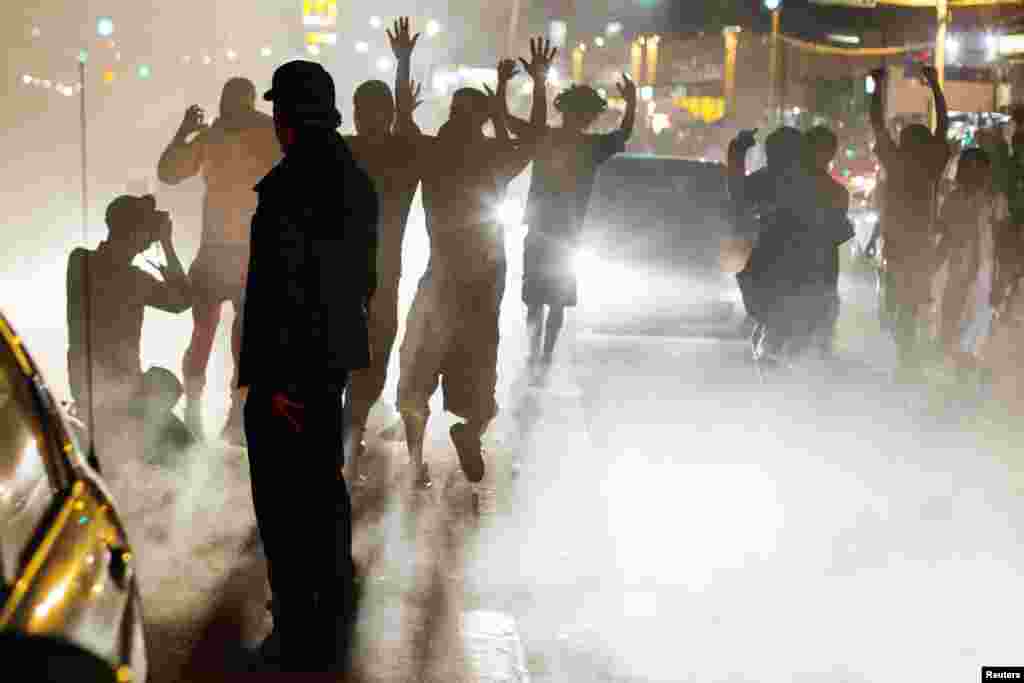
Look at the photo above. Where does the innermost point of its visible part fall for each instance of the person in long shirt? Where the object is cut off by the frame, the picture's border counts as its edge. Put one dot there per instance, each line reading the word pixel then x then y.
pixel 560 189
pixel 912 170
pixel 387 145
pixel 452 329
pixel 231 155
pixel 308 286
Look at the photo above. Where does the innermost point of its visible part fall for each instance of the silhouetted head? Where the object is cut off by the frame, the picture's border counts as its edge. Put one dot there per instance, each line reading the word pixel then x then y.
pixel 784 147
pixel 469 111
pixel 304 101
pixel 822 145
pixel 374 107
pixel 580 106
pixel 237 97
pixel 915 136
pixel 134 223
pixel 974 169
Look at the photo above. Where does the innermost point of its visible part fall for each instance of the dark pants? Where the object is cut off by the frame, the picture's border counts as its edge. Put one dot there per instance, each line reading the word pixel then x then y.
pixel 305 521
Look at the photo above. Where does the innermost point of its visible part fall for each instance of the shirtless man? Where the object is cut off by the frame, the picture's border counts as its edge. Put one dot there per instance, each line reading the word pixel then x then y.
pixel 232 155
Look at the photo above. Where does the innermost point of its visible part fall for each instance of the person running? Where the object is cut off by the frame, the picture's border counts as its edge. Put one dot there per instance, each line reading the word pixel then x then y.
pixel 783 279
pixel 232 155
pixel 308 285
pixel 386 146
pixel 912 170
pixel 560 189
pixel 106 301
pixel 452 329
pixel 822 145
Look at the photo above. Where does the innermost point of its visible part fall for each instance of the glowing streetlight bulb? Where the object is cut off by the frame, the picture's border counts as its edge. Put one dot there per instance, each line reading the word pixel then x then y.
pixel 26 79
pixel 266 52
pixel 599 41
pixel 614 28
pixel 602 92
pixel 772 5
pixel 384 64
pixel 231 55
pixel 313 50
pixel 362 47
pixel 104 27
pixel 433 28
pixel 375 22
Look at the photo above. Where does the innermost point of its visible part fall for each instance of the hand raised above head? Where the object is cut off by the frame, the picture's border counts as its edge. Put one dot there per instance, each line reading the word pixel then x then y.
pixel 541 56
pixel 402 44
pixel 507 70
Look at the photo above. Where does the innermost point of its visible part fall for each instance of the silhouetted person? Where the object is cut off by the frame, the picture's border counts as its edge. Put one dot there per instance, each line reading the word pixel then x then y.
pixel 232 155
pixel 783 281
pixel 304 330
pixel 560 189
pixel 969 224
pixel 912 171
pixel 387 147
pixel 106 301
pixel 452 329
pixel 822 146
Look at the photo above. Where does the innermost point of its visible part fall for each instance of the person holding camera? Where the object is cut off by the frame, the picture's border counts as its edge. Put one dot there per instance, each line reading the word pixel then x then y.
pixel 106 301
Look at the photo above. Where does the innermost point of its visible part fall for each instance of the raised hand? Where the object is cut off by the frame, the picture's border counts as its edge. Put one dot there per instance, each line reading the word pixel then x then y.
pixel 541 56
pixel 627 88
pixel 507 70
pixel 194 121
pixel 402 44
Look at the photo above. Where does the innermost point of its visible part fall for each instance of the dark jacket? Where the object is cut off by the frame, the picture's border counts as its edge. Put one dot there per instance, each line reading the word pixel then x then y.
pixel 311 269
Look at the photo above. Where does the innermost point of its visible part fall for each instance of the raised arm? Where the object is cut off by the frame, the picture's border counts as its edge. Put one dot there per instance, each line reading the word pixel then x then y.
pixel 402 45
pixel 628 91
pixel 541 56
pixel 182 158
pixel 884 141
pixel 737 167
pixel 174 294
pixel 941 110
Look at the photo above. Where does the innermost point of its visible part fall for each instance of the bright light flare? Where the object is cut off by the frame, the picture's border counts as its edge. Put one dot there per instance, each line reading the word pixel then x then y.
pixel 433 28
pixel 384 64
pixel 313 50
pixel 231 55
pixel 952 47
pixel 266 52
pixel 26 79
pixel 376 22
pixel 510 213
pixel 772 5
pixel 362 47
pixel 613 28
pixel 599 41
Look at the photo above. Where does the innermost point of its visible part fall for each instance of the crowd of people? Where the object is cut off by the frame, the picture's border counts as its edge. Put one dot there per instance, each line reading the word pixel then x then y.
pixel 302 233
pixel 951 252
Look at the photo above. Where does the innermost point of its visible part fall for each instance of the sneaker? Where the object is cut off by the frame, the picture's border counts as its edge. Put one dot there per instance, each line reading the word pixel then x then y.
pixel 471 458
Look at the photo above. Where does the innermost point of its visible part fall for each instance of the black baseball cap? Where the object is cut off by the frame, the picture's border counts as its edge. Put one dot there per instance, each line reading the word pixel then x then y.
pixel 305 90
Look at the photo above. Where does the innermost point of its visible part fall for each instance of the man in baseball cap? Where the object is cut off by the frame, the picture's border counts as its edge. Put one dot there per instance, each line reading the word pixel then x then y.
pixel 305 92
pixel 304 330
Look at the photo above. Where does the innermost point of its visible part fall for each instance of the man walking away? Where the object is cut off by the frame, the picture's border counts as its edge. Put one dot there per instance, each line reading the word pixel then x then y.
pixel 106 301
pixel 912 171
pixel 822 146
pixel 232 156
pixel 304 330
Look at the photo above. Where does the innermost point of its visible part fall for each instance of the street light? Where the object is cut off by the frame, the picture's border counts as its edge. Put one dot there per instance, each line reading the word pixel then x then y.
pixel 266 52
pixel 599 41
pixel 104 27
pixel 614 28
pixel 433 28
pixel 772 5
